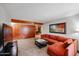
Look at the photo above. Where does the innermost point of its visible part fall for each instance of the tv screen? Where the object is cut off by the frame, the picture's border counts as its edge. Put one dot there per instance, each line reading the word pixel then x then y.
pixel 7 33
pixel 1 35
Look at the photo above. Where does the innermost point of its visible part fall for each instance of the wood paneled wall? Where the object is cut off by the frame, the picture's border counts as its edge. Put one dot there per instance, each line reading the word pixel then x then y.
pixel 23 31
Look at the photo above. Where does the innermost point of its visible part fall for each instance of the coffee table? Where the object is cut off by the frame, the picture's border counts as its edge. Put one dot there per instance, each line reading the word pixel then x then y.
pixel 40 43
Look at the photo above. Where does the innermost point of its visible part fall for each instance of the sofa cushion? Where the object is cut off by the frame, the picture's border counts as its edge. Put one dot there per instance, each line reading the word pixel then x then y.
pixel 53 37
pixel 51 40
pixel 47 36
pixel 69 41
pixel 57 49
pixel 44 36
pixel 61 39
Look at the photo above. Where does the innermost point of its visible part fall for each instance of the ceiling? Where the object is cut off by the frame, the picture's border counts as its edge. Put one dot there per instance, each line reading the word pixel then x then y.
pixel 40 12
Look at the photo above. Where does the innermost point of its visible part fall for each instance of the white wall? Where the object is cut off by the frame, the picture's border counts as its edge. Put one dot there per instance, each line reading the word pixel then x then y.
pixel 72 23
pixel 4 18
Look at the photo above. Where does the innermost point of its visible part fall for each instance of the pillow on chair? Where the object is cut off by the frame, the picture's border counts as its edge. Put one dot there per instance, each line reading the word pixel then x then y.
pixel 68 42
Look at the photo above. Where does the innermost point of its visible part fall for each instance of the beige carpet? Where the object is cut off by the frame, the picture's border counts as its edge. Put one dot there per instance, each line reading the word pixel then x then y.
pixel 26 47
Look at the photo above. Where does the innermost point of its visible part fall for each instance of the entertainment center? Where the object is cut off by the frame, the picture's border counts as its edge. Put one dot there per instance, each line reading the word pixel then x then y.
pixel 8 47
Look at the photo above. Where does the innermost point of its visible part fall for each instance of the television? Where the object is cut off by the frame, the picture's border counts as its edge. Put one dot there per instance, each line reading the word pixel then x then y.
pixel 7 33
pixel 1 36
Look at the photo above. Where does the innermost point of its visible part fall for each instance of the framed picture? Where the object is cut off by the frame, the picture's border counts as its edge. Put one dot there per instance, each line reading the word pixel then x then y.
pixel 57 28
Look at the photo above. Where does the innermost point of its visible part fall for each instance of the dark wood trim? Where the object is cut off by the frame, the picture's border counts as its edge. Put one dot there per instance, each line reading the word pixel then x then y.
pixel 23 21
pixel 19 21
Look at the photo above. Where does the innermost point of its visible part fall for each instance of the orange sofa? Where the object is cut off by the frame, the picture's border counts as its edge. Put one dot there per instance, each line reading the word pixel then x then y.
pixel 60 46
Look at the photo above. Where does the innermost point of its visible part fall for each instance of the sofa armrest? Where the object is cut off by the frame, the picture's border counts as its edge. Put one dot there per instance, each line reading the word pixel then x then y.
pixel 76 46
pixel 72 48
